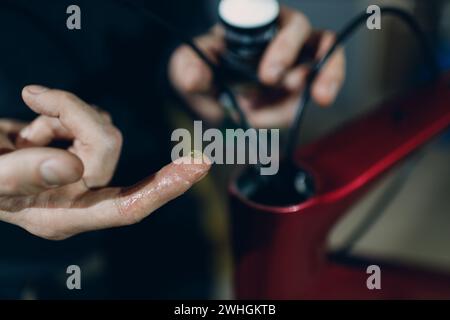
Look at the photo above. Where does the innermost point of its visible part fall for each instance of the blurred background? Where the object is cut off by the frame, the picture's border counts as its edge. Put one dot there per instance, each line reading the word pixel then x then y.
pixel 380 64
pixel 183 251
pixel 414 227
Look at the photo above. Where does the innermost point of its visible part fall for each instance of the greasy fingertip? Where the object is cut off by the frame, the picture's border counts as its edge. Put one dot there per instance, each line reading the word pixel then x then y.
pixel 170 182
pixel 192 168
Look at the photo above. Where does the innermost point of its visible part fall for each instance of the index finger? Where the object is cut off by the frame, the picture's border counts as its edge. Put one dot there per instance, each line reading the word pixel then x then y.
pixel 282 53
pixel 78 117
pixel 115 207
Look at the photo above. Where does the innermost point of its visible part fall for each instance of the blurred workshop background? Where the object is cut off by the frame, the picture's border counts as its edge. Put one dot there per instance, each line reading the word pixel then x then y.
pixel 415 226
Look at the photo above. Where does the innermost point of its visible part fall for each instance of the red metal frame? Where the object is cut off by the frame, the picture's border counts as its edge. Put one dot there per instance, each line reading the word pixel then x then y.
pixel 280 252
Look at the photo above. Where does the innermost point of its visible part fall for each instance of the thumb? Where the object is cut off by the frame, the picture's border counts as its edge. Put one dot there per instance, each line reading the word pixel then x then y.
pixel 34 170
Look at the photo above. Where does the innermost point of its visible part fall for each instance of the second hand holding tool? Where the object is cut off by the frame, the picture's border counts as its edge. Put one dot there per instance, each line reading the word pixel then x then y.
pixel 249 27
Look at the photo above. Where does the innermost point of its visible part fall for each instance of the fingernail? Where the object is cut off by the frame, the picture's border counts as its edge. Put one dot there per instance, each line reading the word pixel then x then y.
pixel 49 171
pixel 34 89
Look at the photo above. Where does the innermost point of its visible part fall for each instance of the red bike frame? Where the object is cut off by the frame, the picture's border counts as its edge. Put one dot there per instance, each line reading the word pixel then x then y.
pixel 280 252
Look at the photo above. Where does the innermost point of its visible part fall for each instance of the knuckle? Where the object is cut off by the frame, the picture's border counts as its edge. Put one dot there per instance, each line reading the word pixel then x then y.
pixel 104 115
pixel 107 116
pixel 117 135
pixel 112 137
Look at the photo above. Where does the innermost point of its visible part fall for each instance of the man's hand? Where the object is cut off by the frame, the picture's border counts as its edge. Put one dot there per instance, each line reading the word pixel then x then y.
pixel 193 79
pixel 54 193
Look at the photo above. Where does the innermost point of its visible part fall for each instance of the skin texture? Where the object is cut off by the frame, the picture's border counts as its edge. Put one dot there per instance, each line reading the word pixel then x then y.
pixel 56 194
pixel 193 79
